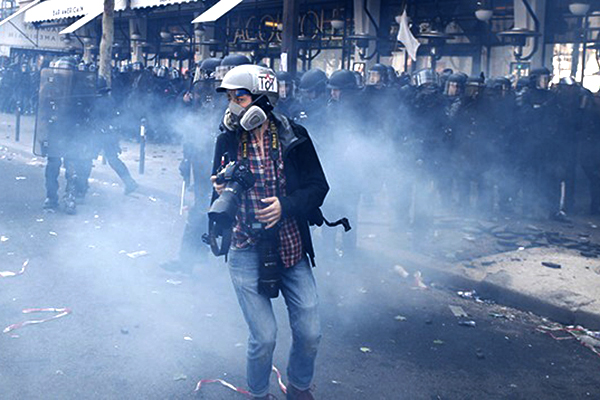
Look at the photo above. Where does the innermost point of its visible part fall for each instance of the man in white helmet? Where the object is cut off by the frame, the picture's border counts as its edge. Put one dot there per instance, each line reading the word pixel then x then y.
pixel 274 213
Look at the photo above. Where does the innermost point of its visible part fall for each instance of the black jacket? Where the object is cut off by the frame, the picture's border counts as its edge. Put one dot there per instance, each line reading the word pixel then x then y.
pixel 306 185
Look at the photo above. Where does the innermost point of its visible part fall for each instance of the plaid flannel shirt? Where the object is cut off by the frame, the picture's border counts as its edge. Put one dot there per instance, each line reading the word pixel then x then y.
pixel 290 242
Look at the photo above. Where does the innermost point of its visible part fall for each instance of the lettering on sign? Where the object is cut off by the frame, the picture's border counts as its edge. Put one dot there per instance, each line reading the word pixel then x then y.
pixel 65 12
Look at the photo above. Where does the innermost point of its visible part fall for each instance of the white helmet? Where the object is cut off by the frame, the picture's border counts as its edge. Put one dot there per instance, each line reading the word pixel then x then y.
pixel 253 78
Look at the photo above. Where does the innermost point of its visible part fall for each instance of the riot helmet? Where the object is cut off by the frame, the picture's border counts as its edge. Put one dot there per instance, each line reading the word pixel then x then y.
pixel 206 69
pixel 425 77
pixel 162 72
pixel 444 77
pixel 474 86
pixel 313 84
pixel 286 85
pixel 258 82
pixel 174 74
pixel 377 76
pixel 360 82
pixel 125 68
pixel 228 63
pixel 137 66
pixel 567 81
pixel 392 76
pixel 455 85
pixel 340 82
pixel 65 63
pixel 540 78
pixel 404 79
pixel 500 85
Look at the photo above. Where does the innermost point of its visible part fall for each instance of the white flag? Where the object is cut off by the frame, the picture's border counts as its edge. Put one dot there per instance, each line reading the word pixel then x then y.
pixel 406 37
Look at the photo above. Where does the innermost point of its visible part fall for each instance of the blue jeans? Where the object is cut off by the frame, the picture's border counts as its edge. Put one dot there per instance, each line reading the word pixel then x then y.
pixel 300 293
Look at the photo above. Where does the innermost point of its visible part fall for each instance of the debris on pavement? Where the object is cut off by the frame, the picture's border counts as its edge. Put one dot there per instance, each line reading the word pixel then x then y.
pixel 458 311
pixel 365 349
pixel 125 331
pixel 10 274
pixel 3 238
pixel 551 265
pixel 467 323
pixel 401 271
pixel 137 254
pixel 479 354
pixel 589 339
pixel 438 342
pixel 179 377
pixel 20 178
pixel 400 318
pixel 174 282
pixel 282 386
pixel 419 281
pixel 61 312
pixel 52 233
pixel 188 338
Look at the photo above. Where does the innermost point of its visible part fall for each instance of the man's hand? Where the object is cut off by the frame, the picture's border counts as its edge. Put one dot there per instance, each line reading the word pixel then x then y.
pixel 218 187
pixel 271 214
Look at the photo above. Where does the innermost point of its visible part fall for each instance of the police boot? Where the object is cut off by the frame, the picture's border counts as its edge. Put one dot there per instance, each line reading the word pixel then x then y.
pixel 50 204
pixel 70 204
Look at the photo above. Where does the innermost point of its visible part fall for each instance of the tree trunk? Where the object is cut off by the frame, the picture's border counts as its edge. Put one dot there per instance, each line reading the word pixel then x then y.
pixel 106 44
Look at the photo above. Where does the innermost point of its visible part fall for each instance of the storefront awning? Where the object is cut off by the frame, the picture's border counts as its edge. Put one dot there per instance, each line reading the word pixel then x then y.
pixel 217 11
pixel 20 11
pixel 155 3
pixel 81 22
pixel 50 10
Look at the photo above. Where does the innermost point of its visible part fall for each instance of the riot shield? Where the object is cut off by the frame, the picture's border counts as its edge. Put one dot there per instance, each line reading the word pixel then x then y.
pixel 65 99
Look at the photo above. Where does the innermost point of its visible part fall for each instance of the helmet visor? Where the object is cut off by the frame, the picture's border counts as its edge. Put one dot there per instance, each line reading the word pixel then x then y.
pixel 222 70
pixel 373 78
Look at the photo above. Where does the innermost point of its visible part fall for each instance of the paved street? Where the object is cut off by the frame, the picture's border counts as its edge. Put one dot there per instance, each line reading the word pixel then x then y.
pixel 137 332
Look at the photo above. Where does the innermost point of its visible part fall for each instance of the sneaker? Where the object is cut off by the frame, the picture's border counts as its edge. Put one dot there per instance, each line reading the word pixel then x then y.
pixel 50 204
pixel 177 266
pixel 267 397
pixel 296 394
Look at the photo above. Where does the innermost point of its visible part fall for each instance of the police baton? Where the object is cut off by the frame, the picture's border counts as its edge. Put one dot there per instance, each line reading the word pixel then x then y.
pixel 142 146
pixel 18 122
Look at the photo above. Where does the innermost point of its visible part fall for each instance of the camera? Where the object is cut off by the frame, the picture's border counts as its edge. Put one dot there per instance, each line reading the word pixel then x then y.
pixel 269 273
pixel 237 178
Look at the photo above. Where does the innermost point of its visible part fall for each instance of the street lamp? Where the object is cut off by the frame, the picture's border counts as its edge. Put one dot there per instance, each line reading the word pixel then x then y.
pixel 436 40
pixel 361 41
pixel 518 38
pixel 484 14
pixel 579 8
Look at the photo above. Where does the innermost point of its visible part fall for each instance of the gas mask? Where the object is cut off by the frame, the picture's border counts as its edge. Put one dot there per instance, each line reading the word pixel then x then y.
pixel 248 118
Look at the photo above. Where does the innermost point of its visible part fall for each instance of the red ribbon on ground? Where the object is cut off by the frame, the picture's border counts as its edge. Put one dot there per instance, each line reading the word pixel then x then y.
pixel 61 313
pixel 10 274
pixel 240 390
pixel 582 335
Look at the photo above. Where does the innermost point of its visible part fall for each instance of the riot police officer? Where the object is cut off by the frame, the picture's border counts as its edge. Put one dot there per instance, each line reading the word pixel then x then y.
pixel 313 99
pixel 104 113
pixel 287 104
pixel 62 132
pixel 537 114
